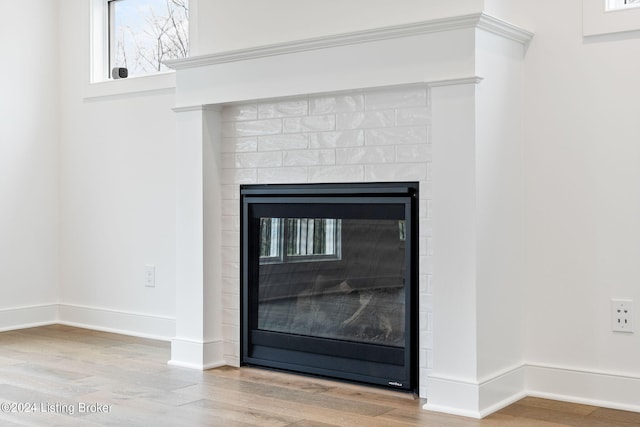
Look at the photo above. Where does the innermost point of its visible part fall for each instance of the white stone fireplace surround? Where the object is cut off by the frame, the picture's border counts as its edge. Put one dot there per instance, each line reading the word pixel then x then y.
pixel 436 102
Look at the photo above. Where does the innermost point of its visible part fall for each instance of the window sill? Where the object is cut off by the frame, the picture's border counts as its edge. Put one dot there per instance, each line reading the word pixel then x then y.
pixel 598 21
pixel 132 85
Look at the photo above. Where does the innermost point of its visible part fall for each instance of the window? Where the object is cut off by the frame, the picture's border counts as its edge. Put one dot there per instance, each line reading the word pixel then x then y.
pixel 145 33
pixel 603 17
pixel 299 239
pixel 138 35
pixel 621 4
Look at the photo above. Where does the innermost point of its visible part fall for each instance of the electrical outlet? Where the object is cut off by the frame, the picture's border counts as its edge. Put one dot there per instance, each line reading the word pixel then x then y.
pixel 621 315
pixel 150 276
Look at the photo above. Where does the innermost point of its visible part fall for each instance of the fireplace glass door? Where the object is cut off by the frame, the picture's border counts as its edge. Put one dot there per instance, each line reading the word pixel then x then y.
pixel 328 280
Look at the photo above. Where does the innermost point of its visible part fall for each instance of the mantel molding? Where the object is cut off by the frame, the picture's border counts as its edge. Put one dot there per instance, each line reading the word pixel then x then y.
pixel 478 20
pixel 470 80
pixel 504 29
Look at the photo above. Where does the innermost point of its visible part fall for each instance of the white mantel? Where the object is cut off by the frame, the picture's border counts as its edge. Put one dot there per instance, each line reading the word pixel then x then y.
pixel 471 67
pixel 424 52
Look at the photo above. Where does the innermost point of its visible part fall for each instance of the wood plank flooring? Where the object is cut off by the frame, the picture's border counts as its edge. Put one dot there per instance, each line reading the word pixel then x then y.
pixel 63 376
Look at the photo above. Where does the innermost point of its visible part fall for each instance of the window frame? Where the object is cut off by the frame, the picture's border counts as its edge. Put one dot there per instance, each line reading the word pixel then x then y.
pixel 99 18
pixel 110 36
pixel 99 82
pixel 612 5
pixel 598 18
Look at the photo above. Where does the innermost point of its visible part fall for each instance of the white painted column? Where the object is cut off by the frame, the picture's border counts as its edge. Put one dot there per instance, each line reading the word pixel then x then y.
pixel 198 342
pixel 477 236
pixel 452 384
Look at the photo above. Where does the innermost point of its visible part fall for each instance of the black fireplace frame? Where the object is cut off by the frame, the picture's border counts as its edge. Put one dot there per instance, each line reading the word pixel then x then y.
pixel 380 365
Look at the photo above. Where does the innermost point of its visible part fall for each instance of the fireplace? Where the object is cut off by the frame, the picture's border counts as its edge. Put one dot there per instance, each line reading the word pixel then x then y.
pixel 436 102
pixel 329 280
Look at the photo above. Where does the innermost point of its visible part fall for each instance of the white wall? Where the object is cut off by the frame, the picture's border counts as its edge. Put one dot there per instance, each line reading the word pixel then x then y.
pixel 582 201
pixel 230 24
pixel 28 162
pixel 117 196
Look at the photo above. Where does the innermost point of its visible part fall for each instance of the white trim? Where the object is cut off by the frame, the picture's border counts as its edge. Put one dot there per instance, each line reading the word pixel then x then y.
pixel 196 354
pixel 504 29
pixel 610 374
pixel 268 73
pixel 501 389
pixel 473 80
pixel 567 384
pixel 28 317
pixel 117 321
pixel 500 374
pixel 199 108
pixel 188 109
pixel 451 410
pixel 476 399
pixel 588 387
pixel 95 318
pixel 98 41
pixel 497 406
pixel 160 82
pixel 584 401
pixel 469 80
pixel 196 366
pixel 452 396
pixel 477 20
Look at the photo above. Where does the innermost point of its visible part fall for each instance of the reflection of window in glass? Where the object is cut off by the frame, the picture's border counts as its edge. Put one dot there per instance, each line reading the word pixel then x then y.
pixel 270 237
pixel 145 33
pixel 621 4
pixel 299 239
pixel 402 229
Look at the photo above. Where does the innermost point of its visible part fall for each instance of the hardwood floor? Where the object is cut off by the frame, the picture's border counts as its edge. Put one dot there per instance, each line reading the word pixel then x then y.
pixel 63 376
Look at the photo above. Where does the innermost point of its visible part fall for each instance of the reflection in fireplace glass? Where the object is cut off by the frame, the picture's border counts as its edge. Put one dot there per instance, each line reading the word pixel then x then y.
pixel 333 278
pixel 298 239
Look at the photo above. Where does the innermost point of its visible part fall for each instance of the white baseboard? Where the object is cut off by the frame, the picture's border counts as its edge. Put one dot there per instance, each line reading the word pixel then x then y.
pixel 452 396
pixel 475 399
pixel 200 355
pixel 119 322
pixel 605 389
pixel 28 317
pixel 501 389
pixel 100 319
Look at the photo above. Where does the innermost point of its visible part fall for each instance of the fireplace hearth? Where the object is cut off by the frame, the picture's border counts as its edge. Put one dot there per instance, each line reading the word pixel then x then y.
pixel 329 280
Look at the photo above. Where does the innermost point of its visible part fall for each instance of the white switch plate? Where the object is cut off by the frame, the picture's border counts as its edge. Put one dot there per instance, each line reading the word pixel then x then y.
pixel 150 276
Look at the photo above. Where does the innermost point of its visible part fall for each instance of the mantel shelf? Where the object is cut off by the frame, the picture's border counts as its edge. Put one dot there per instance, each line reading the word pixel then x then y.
pixel 477 20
